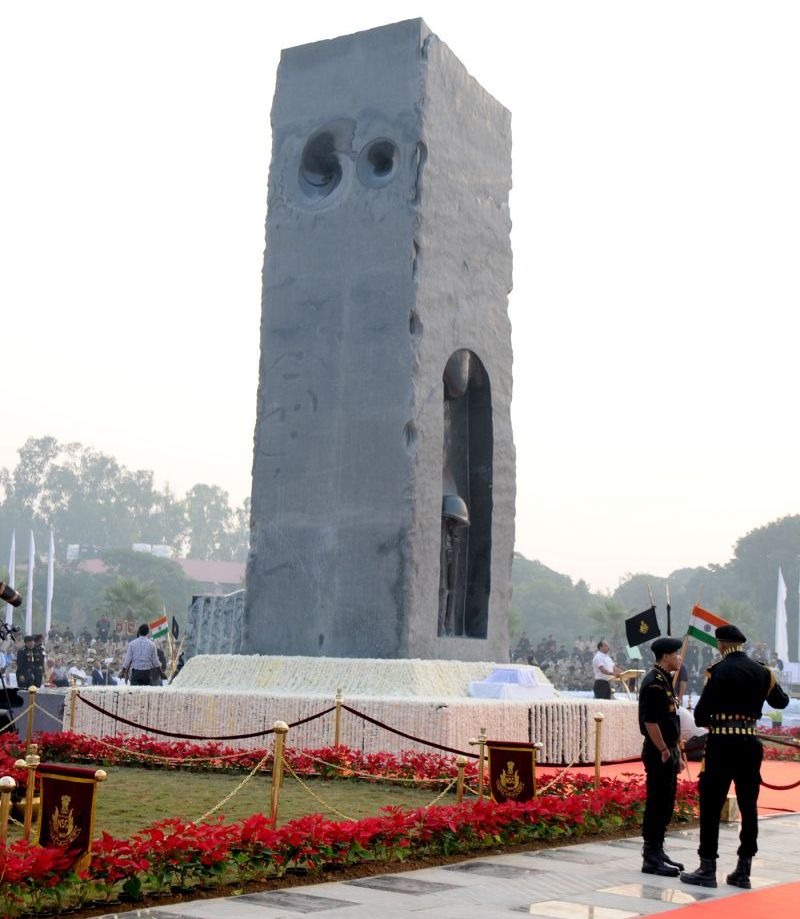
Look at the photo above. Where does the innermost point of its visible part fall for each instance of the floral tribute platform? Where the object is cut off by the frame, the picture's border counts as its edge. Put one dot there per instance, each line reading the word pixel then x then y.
pixel 217 695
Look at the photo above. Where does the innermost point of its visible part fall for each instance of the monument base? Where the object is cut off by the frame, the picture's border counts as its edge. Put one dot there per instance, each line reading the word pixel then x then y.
pixel 223 695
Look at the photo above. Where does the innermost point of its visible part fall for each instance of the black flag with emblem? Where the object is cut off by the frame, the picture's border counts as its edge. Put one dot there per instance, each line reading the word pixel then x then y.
pixel 642 627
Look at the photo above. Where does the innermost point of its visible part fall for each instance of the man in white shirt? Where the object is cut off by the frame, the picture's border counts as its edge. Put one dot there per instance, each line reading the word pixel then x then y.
pixel 80 676
pixel 141 659
pixel 603 668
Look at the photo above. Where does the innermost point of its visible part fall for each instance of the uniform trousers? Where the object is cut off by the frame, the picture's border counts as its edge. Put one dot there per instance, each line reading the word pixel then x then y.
pixel 730 758
pixel 662 783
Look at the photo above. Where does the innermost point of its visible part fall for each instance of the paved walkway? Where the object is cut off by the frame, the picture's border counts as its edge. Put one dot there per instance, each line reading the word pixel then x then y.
pixel 594 880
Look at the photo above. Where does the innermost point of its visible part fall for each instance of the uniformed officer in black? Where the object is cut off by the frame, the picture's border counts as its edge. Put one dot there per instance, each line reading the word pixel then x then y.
pixel 25 664
pixel 39 658
pixel 660 724
pixel 730 706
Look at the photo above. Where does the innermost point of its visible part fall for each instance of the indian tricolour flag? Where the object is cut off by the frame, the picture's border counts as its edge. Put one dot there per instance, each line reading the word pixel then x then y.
pixel 703 624
pixel 159 627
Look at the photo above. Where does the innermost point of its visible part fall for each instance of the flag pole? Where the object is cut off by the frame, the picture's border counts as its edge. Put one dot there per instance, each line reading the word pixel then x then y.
pixel 12 564
pixel 669 610
pixel 685 645
pixel 29 598
pixel 48 610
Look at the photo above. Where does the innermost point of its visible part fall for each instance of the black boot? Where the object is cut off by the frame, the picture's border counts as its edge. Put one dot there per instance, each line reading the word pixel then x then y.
pixel 670 861
pixel 653 862
pixel 740 877
pixel 705 876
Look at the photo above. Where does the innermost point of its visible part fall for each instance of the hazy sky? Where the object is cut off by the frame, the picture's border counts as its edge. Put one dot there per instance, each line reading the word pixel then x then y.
pixel 656 211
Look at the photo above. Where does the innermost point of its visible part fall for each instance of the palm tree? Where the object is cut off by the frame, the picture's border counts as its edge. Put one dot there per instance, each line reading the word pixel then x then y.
pixel 132 599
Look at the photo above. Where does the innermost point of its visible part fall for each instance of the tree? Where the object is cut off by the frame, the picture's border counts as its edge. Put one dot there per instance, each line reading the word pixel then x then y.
pixel 610 618
pixel 210 521
pixel 128 598
pixel 544 601
pixel 87 497
pixel 173 589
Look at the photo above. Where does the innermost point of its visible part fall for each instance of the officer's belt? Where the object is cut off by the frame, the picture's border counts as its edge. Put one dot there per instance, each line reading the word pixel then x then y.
pixel 733 725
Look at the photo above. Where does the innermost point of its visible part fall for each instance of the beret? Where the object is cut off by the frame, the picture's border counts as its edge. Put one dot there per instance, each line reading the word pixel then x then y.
pixel 662 646
pixel 730 633
pixel 28 638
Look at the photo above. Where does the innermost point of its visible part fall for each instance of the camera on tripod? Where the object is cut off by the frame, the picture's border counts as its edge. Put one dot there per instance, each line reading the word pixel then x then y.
pixel 10 595
pixel 9 631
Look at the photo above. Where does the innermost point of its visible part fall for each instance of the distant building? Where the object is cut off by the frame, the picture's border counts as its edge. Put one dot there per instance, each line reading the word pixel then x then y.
pixel 215 577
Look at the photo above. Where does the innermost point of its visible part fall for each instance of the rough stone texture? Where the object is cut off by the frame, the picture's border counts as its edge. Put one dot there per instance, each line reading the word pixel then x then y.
pixel 216 625
pixel 387 251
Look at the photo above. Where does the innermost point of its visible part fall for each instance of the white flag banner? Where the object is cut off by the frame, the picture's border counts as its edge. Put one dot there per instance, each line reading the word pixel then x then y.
pixel 48 610
pixel 12 563
pixel 29 598
pixel 781 634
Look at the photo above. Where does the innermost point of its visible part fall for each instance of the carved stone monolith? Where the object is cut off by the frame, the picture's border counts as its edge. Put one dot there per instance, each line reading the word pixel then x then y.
pixel 383 473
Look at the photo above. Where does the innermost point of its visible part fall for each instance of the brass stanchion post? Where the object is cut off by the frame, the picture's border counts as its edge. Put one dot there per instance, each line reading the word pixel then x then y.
pixel 73 695
pixel 480 743
pixel 281 730
pixel 461 762
pixel 30 763
pixel 7 786
pixel 29 727
pixel 598 730
pixel 537 748
pixel 337 723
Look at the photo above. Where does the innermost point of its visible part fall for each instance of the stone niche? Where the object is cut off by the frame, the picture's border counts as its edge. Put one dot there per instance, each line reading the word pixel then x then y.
pixel 383 472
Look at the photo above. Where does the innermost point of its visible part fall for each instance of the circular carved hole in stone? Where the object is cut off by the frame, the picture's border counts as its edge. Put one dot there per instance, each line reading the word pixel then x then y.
pixel 377 162
pixel 320 168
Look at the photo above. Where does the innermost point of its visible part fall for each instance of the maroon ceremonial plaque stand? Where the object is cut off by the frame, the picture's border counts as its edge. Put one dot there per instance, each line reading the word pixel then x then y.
pixel 512 770
pixel 66 809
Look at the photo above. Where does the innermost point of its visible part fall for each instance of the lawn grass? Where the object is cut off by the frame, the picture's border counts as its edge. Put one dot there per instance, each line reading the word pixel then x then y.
pixel 133 798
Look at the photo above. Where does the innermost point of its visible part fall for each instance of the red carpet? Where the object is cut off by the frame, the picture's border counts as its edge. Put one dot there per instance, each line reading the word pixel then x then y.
pixel 769 801
pixel 770 903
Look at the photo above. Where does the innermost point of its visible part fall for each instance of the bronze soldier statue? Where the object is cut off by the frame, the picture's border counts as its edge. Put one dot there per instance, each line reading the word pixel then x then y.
pixel 730 706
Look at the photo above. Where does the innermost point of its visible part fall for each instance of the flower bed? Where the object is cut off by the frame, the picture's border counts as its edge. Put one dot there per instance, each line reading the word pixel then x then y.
pixel 172 856
pixel 146 752
pixel 783 752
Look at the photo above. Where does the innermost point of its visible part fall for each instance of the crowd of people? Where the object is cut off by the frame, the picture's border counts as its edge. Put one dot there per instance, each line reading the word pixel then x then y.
pixel 566 668
pixel 64 658
pixel 570 668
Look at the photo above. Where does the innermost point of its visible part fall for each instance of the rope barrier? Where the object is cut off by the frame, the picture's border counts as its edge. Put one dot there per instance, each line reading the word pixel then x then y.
pixel 151 756
pixel 50 715
pixel 22 714
pixel 316 797
pixel 784 742
pixel 442 793
pixel 369 775
pixel 152 730
pixel 236 790
pixel 178 760
pixel 780 787
pixel 555 778
pixel 399 733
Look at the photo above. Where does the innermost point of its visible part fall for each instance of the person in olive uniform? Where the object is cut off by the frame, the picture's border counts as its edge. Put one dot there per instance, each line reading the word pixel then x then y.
pixel 661 754
pixel 730 706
